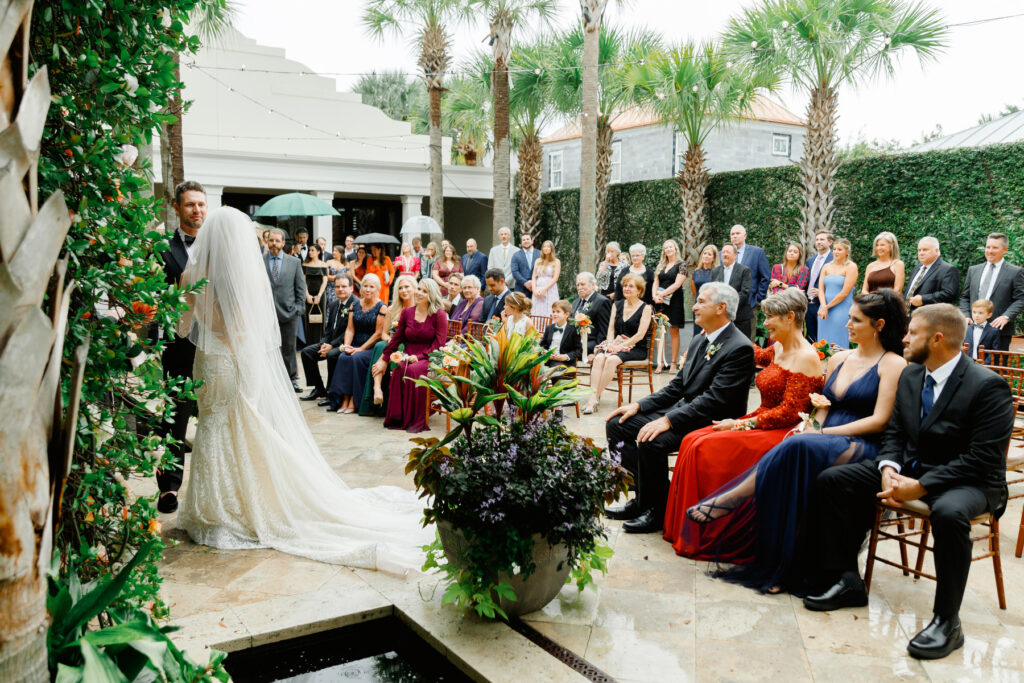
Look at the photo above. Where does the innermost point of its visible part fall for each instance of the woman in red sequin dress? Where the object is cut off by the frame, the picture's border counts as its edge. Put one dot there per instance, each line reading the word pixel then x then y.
pixel 710 458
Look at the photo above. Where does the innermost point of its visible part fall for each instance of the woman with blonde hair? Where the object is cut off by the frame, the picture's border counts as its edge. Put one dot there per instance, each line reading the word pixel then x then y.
pixel 706 262
pixel 405 296
pixel 365 326
pixel 517 313
pixel 887 270
pixel 791 272
pixel 407 262
pixel 669 277
pixel 546 270
pixel 838 278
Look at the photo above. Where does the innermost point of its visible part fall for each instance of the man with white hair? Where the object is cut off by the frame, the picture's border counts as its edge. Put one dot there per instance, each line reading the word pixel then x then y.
pixel 712 385
pixel 501 255
pixel 933 281
pixel 595 306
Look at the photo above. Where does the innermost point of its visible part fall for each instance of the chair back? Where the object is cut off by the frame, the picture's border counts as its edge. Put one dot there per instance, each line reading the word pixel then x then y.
pixel 454 328
pixel 540 322
pixel 1006 359
pixel 477 330
pixel 1014 377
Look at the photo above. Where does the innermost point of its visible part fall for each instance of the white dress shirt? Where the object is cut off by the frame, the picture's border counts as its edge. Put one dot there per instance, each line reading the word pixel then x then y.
pixel 727 271
pixel 556 337
pixel 816 266
pixel 977 331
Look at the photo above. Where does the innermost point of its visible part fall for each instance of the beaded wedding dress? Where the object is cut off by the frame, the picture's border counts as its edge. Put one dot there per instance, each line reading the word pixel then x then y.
pixel 256 477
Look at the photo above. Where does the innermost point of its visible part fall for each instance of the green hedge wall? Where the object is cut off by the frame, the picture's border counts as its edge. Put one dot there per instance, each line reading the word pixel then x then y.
pixel 958 196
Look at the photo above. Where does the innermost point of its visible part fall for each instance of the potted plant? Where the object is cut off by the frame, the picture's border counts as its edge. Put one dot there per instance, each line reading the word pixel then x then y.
pixel 516 496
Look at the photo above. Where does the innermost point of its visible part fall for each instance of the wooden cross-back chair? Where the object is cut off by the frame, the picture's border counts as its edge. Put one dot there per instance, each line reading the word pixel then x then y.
pixel 632 372
pixel 540 322
pixel 454 328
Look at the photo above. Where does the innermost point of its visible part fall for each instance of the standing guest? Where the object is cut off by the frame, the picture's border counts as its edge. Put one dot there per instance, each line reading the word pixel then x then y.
pixel 1000 282
pixel 979 332
pixel 289 289
pixel 417 247
pixel 933 281
pixel 314 269
pixel 335 266
pixel 836 286
pixel 702 273
pixel 626 339
pixel 350 248
pixel 501 255
pixel 301 249
pixel 179 353
pixel 522 265
pixel 755 259
pixel 358 265
pixel 407 263
pixel 447 264
pixel 791 272
pixel 946 446
pixel 263 241
pixel 887 270
pixel 712 385
pixel 561 337
pixel 516 315
pixel 453 292
pixel 365 327
pixel 380 264
pixel 823 255
pixel 427 260
pixel 546 271
pixel 737 276
pixel 373 392
pixel 595 306
pixel 494 304
pixel 637 253
pixel 322 243
pixel 669 277
pixel 329 345
pixel 473 261
pixel 422 329
pixel 610 270
pixel 472 305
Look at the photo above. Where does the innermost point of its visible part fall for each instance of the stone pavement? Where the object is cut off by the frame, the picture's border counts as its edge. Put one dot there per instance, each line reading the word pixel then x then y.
pixel 655 616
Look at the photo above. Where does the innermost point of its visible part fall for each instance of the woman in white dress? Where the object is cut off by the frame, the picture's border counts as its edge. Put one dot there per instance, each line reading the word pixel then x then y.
pixel 546 270
pixel 256 477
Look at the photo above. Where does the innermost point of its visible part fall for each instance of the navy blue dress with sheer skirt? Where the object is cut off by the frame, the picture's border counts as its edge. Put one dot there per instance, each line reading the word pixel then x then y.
pixel 350 373
pixel 768 523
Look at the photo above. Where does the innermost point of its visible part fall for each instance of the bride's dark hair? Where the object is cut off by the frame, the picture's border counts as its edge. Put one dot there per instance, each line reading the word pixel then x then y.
pixel 886 304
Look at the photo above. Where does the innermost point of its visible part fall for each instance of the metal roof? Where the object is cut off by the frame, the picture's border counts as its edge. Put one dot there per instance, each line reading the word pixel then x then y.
pixel 1009 128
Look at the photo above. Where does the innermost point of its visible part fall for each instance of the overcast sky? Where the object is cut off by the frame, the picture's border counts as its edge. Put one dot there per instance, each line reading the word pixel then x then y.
pixel 979 73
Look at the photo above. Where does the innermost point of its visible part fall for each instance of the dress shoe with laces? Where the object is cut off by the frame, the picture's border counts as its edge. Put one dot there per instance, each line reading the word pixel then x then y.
pixel 647 523
pixel 313 395
pixel 848 591
pixel 937 639
pixel 630 510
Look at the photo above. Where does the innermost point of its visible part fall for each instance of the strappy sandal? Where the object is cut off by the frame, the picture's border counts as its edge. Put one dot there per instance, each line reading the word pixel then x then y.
pixel 706 511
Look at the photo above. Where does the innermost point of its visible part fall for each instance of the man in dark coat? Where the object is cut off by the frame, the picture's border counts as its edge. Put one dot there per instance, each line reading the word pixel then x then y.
pixel 1000 282
pixel 737 276
pixel 595 306
pixel 328 347
pixel 933 281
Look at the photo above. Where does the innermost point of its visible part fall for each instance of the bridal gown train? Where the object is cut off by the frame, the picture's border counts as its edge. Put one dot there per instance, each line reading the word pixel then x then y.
pixel 257 478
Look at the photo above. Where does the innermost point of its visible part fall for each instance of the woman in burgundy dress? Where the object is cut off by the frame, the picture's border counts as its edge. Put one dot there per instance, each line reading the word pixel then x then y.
pixel 710 458
pixel 421 329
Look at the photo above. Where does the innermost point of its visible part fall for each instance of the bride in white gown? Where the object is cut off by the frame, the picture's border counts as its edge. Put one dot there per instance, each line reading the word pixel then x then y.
pixel 257 478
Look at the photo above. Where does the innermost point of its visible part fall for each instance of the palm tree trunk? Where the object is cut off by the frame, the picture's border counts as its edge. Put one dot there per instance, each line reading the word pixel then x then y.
pixel 502 156
pixel 603 168
pixel 170 218
pixel 819 164
pixel 174 130
pixel 436 177
pixel 590 223
pixel 531 154
pixel 693 185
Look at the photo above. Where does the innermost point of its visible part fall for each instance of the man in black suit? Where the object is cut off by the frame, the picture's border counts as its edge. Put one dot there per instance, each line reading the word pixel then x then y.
pixel 946 446
pixel 494 303
pixel 179 353
pixel 594 305
pixel 737 276
pixel 288 286
pixel 562 336
pixel 329 346
pixel 712 385
pixel 301 249
pixel 933 281
pixel 1000 282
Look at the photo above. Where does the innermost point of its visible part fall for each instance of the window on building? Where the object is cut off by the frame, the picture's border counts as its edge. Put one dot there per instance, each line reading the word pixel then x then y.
pixel 680 159
pixel 616 161
pixel 780 144
pixel 555 171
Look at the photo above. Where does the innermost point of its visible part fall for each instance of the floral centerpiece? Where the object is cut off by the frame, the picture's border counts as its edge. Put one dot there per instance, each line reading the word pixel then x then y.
pixel 516 496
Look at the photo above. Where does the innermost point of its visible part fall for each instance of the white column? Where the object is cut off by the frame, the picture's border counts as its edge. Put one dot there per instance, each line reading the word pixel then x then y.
pixel 411 206
pixel 323 226
pixel 214 194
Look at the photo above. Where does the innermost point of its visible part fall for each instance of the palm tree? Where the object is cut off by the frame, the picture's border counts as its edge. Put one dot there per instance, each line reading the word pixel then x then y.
pixel 621 88
pixel 695 89
pixel 466 111
pixel 429 19
pixel 394 93
pixel 504 18
pixel 530 110
pixel 821 45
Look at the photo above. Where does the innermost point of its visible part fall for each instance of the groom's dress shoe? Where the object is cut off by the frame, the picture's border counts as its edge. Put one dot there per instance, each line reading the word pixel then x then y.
pixel 847 592
pixel 647 523
pixel 295 386
pixel 325 402
pixel 312 396
pixel 630 510
pixel 938 639
pixel 167 502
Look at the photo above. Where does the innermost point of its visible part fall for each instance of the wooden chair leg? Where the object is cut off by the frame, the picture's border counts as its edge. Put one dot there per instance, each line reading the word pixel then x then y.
pixel 926 528
pixel 997 564
pixel 1020 536
pixel 619 382
pixel 650 379
pixel 872 547
pixel 426 417
pixel 631 377
pixel 577 406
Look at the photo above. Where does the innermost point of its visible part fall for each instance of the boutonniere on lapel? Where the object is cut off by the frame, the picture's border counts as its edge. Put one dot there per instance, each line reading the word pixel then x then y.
pixel 346 310
pixel 712 350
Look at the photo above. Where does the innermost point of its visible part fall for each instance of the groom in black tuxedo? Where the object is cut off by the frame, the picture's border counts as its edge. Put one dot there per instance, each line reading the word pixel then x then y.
pixel 946 446
pixel 712 385
pixel 179 353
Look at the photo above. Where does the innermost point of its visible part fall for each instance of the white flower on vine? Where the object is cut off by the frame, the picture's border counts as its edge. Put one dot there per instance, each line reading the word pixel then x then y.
pixel 128 156
pixel 131 83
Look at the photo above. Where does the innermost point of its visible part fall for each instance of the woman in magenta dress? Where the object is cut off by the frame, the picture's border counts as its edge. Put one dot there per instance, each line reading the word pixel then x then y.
pixel 710 458
pixel 422 329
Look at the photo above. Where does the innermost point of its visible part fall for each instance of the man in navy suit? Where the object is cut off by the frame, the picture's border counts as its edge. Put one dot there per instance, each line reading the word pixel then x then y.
pixel 755 259
pixel 933 281
pixel 522 265
pixel 474 262
pixel 823 246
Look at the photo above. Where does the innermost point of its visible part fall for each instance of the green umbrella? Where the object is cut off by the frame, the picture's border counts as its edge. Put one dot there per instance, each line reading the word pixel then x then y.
pixel 296 204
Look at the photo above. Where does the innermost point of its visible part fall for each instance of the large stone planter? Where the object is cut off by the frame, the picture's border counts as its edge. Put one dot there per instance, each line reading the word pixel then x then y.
pixel 533 592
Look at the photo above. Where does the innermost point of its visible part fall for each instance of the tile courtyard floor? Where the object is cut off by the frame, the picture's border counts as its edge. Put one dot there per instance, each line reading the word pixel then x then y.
pixel 655 616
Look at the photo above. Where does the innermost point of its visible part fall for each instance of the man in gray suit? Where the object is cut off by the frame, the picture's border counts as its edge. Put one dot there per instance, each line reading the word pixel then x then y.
pixel 1000 282
pixel 501 256
pixel 289 288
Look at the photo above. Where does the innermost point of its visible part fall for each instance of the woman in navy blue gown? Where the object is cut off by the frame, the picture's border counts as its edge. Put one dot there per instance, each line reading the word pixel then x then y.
pixel 365 327
pixel 766 503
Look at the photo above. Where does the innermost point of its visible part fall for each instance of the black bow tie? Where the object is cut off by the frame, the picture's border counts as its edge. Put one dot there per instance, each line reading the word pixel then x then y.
pixel 187 239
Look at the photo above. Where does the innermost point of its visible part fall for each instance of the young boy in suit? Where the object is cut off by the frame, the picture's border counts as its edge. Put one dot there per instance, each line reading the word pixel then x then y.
pixel 979 332
pixel 570 346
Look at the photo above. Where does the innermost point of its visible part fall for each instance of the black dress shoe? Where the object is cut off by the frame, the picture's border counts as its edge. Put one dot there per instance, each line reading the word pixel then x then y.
pixel 325 402
pixel 849 591
pixel 937 639
pixel 647 523
pixel 313 395
pixel 295 386
pixel 630 510
pixel 167 502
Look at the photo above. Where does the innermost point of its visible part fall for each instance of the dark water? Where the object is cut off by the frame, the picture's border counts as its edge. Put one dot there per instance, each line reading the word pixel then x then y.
pixel 383 650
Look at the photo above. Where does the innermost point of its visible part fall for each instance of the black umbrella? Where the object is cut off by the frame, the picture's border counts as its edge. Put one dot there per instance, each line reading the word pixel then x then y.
pixel 376 238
